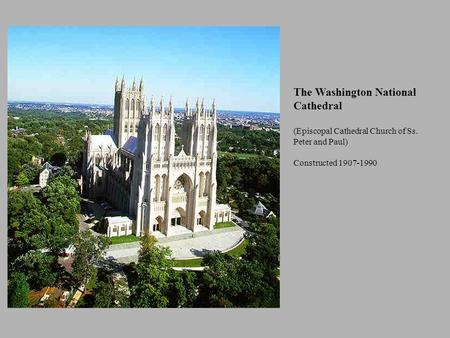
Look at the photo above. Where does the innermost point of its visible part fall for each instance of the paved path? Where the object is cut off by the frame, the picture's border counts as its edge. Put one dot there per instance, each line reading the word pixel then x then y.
pixel 184 248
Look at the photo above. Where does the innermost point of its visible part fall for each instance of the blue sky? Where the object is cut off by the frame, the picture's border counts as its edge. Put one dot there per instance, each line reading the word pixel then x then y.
pixel 238 66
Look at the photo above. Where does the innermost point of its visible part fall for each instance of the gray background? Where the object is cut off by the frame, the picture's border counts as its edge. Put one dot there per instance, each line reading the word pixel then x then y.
pixel 364 251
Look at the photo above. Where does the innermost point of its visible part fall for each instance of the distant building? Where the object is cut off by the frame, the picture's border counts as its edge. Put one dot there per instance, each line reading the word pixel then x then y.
pixel 223 213
pixel 37 160
pixel 118 226
pixel 259 209
pixel 47 173
pixel 16 131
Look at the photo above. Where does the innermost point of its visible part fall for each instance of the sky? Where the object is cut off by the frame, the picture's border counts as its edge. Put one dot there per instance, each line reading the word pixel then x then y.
pixel 239 67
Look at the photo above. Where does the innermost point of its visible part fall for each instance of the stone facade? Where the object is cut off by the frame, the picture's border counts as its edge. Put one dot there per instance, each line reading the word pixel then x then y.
pixel 136 166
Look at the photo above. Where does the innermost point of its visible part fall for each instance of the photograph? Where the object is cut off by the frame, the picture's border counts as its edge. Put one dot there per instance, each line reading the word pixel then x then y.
pixel 143 166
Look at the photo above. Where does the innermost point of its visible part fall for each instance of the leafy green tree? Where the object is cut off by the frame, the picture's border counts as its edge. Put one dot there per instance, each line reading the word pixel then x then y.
pixel 263 251
pixel 264 247
pixel 18 290
pixel 104 295
pixel 40 268
pixel 28 226
pixel 62 200
pixel 88 250
pixel 221 284
pixel 182 290
pixel 148 243
pixel 110 293
pixel 31 171
pixel 59 159
pixel 22 179
pixel 251 281
pixel 154 272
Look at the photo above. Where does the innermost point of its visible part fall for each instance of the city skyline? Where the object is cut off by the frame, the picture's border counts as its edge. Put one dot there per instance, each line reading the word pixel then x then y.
pixel 236 66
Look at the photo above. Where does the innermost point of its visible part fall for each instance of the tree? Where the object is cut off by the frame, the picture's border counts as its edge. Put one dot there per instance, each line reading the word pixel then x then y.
pixel 264 247
pixel 263 252
pixel 31 171
pixel 62 201
pixel 59 159
pixel 111 292
pixel 104 295
pixel 182 291
pixel 18 290
pixel 221 282
pixel 40 268
pixel 251 281
pixel 148 243
pixel 22 179
pixel 88 250
pixel 153 275
pixel 28 226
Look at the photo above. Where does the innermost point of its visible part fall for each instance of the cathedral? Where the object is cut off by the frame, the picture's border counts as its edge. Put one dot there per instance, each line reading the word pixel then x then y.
pixel 162 181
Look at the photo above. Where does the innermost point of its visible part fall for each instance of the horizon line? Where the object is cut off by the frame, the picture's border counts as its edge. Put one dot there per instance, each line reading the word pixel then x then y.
pixel 112 105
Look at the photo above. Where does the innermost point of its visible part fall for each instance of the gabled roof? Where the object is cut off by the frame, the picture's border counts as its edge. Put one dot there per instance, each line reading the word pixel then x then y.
pixel 49 167
pixel 259 209
pixel 109 132
pixel 131 144
pixel 105 142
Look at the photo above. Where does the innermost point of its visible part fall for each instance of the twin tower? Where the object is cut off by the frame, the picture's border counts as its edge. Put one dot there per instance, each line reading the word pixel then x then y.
pixel 171 180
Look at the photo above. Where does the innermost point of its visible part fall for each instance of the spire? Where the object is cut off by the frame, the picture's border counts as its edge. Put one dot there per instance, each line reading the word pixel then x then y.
pixel 141 84
pixel 186 107
pixel 117 84
pixel 214 108
pixel 170 104
pixel 122 85
pixel 152 104
pixel 133 87
pixel 161 109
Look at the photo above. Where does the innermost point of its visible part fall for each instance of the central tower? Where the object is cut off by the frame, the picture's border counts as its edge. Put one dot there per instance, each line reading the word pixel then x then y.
pixel 129 103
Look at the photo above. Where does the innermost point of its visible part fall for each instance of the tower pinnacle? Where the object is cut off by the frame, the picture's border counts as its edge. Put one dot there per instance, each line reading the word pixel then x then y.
pixel 141 85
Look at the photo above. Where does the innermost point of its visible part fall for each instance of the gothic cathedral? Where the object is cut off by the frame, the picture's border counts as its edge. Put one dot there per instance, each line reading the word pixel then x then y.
pixel 162 181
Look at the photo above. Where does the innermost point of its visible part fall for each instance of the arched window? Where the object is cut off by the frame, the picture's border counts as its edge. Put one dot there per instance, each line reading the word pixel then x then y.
pixel 138 108
pixel 132 106
pixel 164 132
pixel 207 179
pixel 127 107
pixel 157 132
pixel 202 130
pixel 201 185
pixel 208 131
pixel 164 187
pixel 157 188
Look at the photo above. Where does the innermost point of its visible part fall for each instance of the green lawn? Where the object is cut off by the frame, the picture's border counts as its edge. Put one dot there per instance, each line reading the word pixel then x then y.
pixel 196 262
pixel 124 239
pixel 239 250
pixel 222 225
pixel 187 263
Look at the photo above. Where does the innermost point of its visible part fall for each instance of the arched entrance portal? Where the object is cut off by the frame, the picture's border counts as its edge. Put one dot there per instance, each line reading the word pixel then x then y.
pixel 181 201
pixel 159 224
pixel 202 218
